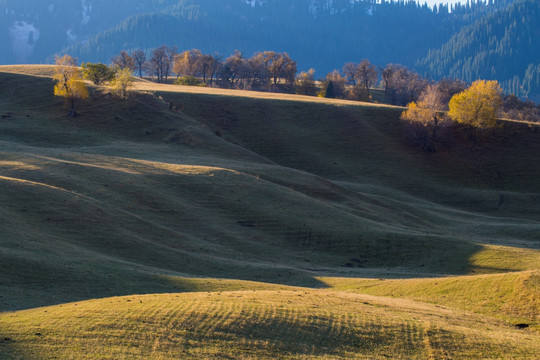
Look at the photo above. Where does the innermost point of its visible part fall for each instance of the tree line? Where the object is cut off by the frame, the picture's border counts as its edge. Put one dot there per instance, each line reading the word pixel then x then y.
pixel 266 70
pixel 272 71
pixel 277 72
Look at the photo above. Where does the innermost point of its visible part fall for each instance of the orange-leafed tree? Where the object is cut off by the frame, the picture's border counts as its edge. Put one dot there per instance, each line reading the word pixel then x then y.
pixel 69 82
pixel 188 63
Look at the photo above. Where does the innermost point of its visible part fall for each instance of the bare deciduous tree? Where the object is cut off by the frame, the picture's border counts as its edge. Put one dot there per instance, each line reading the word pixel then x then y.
pixel 350 70
pixel 139 59
pixel 402 85
pixel 449 88
pixel 123 61
pixel 367 75
pixel 427 119
pixel 256 73
pixel 232 68
pixel 170 52
pixel 281 66
pixel 160 62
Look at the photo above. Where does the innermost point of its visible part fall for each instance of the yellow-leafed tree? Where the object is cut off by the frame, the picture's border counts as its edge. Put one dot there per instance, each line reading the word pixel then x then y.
pixel 478 105
pixel 122 83
pixel 69 82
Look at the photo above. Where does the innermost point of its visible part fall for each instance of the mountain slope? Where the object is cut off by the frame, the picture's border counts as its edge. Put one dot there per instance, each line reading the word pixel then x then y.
pixel 31 31
pixel 319 34
pixel 503 46
pixel 322 35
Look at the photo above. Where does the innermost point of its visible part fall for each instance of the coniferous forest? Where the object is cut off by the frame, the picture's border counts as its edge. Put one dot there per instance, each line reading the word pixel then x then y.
pixel 502 46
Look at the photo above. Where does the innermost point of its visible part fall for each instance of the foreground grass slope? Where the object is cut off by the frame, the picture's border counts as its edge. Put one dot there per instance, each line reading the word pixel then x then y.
pixel 292 194
pixel 313 324
pixel 513 297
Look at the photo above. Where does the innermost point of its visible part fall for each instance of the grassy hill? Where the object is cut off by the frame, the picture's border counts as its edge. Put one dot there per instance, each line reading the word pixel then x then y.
pixel 265 324
pixel 257 193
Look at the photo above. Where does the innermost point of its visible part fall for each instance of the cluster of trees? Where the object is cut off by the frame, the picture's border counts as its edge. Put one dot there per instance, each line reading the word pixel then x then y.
pixel 356 80
pixel 272 71
pixel 70 78
pixel 478 106
pixel 432 108
pixel 267 70
pixel 434 112
pixel 120 78
pixel 516 109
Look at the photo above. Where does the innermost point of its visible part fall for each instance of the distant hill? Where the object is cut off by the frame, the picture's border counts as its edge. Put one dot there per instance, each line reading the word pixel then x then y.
pixel 503 46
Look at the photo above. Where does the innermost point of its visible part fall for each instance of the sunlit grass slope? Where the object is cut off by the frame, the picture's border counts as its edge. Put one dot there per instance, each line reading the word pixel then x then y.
pixel 307 324
pixel 513 297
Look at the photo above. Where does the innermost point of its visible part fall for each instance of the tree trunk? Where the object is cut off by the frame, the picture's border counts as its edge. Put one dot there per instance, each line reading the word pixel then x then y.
pixel 72 112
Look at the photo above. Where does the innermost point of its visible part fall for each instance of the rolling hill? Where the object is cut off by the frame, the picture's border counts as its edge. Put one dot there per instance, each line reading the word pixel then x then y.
pixel 260 224
pixel 266 324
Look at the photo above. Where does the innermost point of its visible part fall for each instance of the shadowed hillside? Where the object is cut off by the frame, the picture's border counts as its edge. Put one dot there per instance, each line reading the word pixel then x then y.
pixel 288 186
pixel 216 188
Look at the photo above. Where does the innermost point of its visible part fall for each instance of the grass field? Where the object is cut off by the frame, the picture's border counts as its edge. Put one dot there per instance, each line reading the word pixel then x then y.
pixel 259 325
pixel 260 226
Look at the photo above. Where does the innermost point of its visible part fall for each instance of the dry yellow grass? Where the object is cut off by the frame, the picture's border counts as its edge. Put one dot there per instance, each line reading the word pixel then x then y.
pixel 304 324
pixel 513 297
pixel 34 70
pixel 156 87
